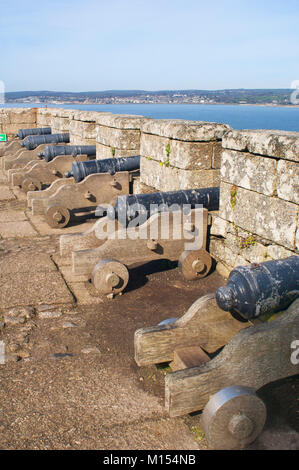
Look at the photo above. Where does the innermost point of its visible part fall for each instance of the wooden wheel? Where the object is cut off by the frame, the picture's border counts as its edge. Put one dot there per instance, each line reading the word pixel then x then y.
pixel 233 418
pixel 31 184
pixel 110 277
pixel 57 216
pixel 195 264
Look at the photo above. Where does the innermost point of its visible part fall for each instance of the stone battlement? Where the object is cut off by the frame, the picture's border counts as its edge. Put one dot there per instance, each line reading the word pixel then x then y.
pixel 257 171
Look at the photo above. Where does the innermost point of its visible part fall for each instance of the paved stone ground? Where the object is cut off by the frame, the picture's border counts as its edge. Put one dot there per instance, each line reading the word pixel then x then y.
pixel 70 380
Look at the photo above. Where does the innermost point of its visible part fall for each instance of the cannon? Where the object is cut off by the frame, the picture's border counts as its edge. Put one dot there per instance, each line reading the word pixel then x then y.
pixel 260 289
pixel 52 151
pixel 37 175
pixel 22 133
pixel 58 160
pixel 87 194
pixel 108 165
pixel 31 142
pixel 127 207
pixel 21 157
pixel 220 360
pixel 13 146
pixel 164 235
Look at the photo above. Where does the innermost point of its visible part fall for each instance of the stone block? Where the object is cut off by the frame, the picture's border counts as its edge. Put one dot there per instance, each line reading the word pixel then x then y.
pixel 219 226
pixel 166 178
pixel 221 252
pixel 86 130
pixel 269 217
pixel 104 151
pixel 278 252
pixel 119 138
pixel 180 154
pixel 189 131
pixel 5 193
pixel 19 229
pixel 120 121
pixel 249 171
pixel 288 181
pixel 76 140
pixel 59 125
pixel 272 143
pixel 22 116
pixel 51 289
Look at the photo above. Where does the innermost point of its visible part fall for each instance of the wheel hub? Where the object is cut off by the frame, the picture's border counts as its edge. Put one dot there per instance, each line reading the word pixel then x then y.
pixel 241 426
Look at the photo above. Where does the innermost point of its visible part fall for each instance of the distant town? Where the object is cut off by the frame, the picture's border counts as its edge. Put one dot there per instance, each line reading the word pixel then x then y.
pixel 235 96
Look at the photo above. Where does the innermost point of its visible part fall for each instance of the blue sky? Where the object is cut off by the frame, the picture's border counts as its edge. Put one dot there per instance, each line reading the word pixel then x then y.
pixel 71 45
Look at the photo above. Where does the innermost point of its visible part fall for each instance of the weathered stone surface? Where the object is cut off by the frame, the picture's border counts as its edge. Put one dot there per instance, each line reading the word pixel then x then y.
pixel 120 121
pixel 268 217
pixel 16 229
pixel 19 315
pixel 77 140
pixel 12 216
pixel 12 129
pixel 85 130
pixel 119 138
pixel 249 171
pixel 288 181
pixel 166 178
pixel 104 151
pixel 25 262
pixel 141 188
pixel 219 226
pixel 59 125
pixel 51 288
pixel 222 253
pixel 5 193
pixel 88 116
pixel 279 144
pixel 278 252
pixel 184 155
pixel 18 116
pixel 49 315
pixel 192 131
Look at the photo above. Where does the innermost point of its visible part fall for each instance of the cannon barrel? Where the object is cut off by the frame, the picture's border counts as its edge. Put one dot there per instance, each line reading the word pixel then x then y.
pixel 109 165
pixel 261 289
pixel 22 133
pixel 144 205
pixel 31 142
pixel 53 151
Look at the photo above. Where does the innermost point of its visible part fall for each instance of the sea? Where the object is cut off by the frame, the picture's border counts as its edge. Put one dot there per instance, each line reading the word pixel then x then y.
pixel 237 116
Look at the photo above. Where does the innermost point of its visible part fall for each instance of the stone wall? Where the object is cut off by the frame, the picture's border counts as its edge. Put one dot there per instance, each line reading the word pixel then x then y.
pixel 259 197
pixel 114 135
pixel 258 172
pixel 13 119
pixel 118 135
pixel 177 154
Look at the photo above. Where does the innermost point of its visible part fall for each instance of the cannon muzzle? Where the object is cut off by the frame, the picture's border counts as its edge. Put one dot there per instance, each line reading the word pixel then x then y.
pixel 261 289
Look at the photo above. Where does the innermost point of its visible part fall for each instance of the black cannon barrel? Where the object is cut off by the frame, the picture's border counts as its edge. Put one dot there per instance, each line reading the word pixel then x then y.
pixel 31 142
pixel 22 133
pixel 260 289
pixel 53 151
pixel 109 165
pixel 128 207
